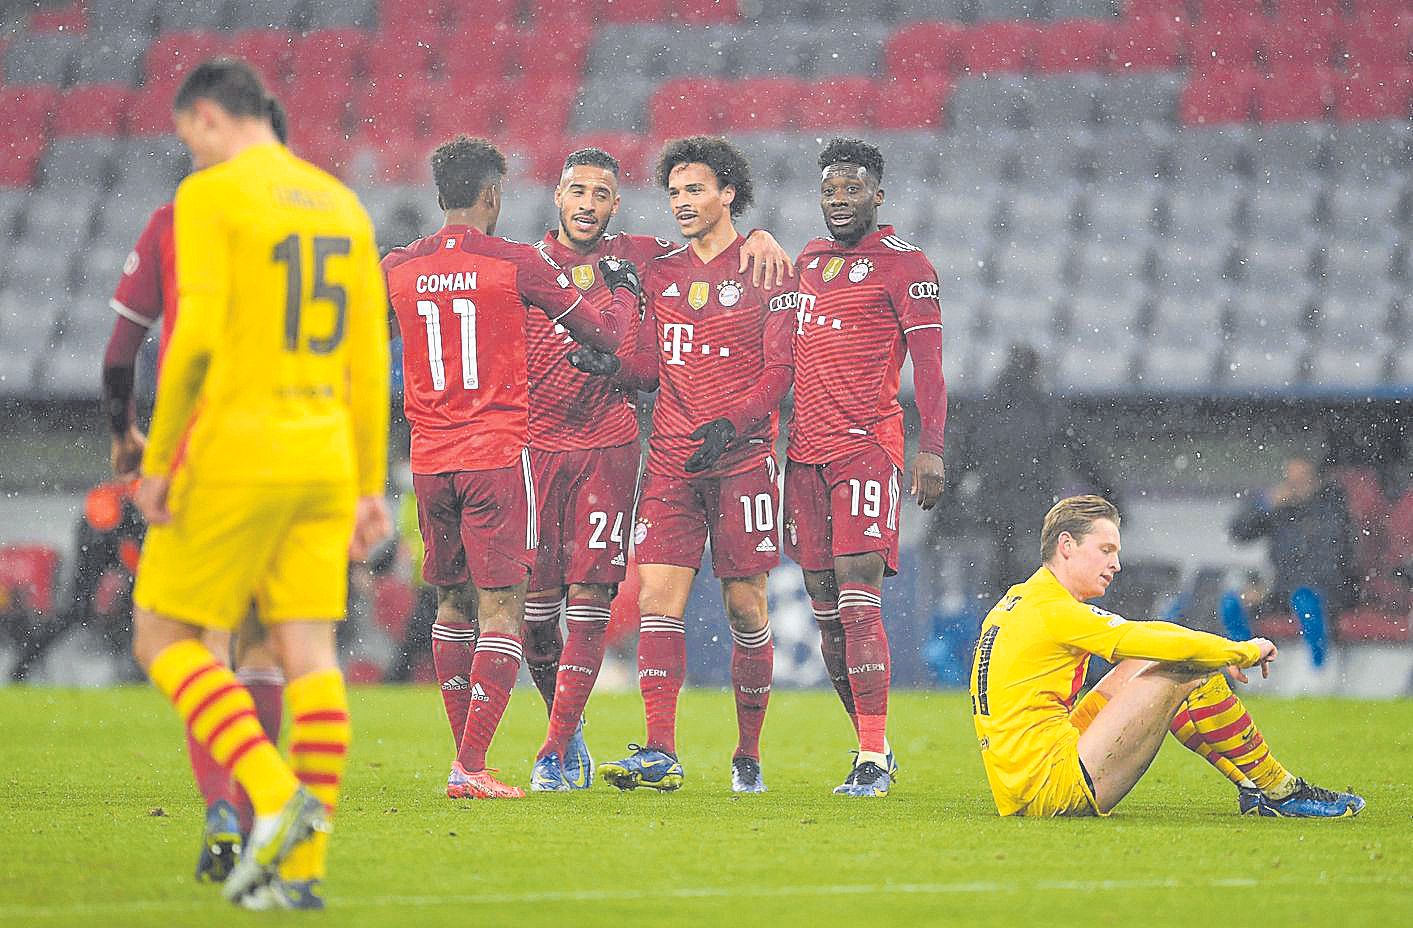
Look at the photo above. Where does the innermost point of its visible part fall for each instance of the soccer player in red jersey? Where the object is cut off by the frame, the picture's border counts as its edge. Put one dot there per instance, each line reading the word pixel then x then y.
pixel 717 348
pixel 146 296
pixel 866 298
pixel 584 456
pixel 461 298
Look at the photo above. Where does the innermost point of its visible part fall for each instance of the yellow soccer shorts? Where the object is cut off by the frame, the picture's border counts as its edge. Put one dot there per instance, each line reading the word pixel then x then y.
pixel 1066 790
pixel 282 547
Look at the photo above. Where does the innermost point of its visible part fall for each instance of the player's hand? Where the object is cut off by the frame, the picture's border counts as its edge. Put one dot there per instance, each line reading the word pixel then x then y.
pixel 621 274
pixel 371 525
pixel 1268 654
pixel 151 499
pixel 595 362
pixel 928 476
pixel 714 436
pixel 768 262
pixel 126 453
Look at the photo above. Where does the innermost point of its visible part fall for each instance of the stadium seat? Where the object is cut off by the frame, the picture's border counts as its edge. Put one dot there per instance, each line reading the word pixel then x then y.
pixel 95 109
pixel 150 109
pixel 1166 10
pixel 1216 13
pixel 110 57
pixel 34 570
pixel 333 56
pixel 1073 45
pixel 1370 41
pixel 336 14
pixel 1080 9
pixel 25 111
pixel 633 152
pixel 1302 42
pixel 111 17
pixel 921 50
pixel 1218 96
pixel 1145 44
pixel 1372 152
pixel 1126 100
pixel 1375 92
pixel 40 58
pixel 263 15
pixel 548 53
pixel 1371 624
pixel 766 103
pixel 633 11
pixel 321 102
pixel 998 47
pixel 912 104
pixel 1065 103
pixel 477 18
pixel 1004 10
pixel 980 104
pixel 690 106
pixel 267 50
pixel 1231 44
pixel 411 110
pixel 542 111
pixel 172 54
pixel 81 161
pixel 1296 94
pixel 71 17
pixel 19 165
pixel 844 103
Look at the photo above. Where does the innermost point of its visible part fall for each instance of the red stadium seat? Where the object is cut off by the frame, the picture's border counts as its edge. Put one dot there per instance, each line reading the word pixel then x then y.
pixel 30 570
pixel 398 161
pixel 393 602
pixel 842 102
pixel 1222 12
pixel 765 103
pixel 491 62
pixel 1218 97
pixel 476 109
pixel 267 50
pixel 1169 11
pixel 998 47
pixel 705 11
pixel 563 12
pixel 1375 93
pixel 542 109
pixel 317 143
pixel 314 99
pixel 1371 624
pixel 690 106
pixel 1296 94
pixel 331 55
pixel 391 111
pixel 633 11
pixel 95 109
pixel 553 52
pixel 1400 532
pixel 401 61
pixel 468 19
pixel 19 160
pixel 1278 626
pixel 632 151
pixel 25 110
pixel 922 49
pixel 1371 42
pixel 1368 513
pixel 1310 11
pixel 68 18
pixel 1073 45
pixel 150 109
pixel 1292 42
pixel 172 54
pixel 918 104
pixel 1231 43
pixel 1147 44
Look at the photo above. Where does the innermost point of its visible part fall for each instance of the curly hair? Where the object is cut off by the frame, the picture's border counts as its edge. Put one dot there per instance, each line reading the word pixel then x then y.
pixel 853 151
pixel 463 167
pixel 594 158
pixel 725 160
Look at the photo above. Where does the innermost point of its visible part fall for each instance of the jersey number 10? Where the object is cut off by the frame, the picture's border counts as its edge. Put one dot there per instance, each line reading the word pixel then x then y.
pixel 289 252
pixel 431 314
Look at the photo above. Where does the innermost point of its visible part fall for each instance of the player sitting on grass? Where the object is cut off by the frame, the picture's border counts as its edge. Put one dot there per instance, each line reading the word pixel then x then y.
pixel 1044 755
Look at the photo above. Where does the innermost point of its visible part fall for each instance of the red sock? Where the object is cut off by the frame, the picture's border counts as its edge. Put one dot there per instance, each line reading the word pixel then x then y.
pixel 494 667
pixel 662 665
pixel 752 669
pixel 831 648
pixel 578 669
pixel 543 644
pixel 866 653
pixel 451 656
pixel 267 690
pixel 214 782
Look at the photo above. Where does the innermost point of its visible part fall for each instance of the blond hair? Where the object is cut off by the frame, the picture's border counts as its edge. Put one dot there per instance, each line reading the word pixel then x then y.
pixel 1076 515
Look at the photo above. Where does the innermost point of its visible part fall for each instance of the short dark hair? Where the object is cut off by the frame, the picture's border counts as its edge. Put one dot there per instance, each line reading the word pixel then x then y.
pixel 230 83
pixel 279 119
pixel 594 158
pixel 463 167
pixel 853 151
pixel 725 160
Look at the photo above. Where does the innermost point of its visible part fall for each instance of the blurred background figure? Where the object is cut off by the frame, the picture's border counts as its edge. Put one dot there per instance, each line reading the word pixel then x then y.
pixel 1305 522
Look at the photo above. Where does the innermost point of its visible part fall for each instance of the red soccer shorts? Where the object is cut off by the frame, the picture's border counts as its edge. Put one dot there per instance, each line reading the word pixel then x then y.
pixel 739 512
pixel 848 506
pixel 585 507
pixel 477 525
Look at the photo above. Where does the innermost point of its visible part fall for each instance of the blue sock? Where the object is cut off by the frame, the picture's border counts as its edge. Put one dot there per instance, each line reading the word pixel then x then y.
pixel 1234 621
pixel 1309 608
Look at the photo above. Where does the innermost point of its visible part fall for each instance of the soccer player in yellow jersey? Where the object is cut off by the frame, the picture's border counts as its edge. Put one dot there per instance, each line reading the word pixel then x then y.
pixel 265 463
pixel 1044 755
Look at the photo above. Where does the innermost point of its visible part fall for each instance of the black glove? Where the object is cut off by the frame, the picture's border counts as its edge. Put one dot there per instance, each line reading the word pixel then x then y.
pixel 621 274
pixel 714 436
pixel 593 361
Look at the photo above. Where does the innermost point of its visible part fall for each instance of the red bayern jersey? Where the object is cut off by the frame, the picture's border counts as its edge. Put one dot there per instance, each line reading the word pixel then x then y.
pixel 147 291
pixel 571 410
pixel 856 306
pixel 714 341
pixel 460 297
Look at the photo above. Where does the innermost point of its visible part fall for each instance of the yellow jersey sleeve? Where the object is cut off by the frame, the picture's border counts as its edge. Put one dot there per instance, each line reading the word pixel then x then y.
pixel 202 284
pixel 369 368
pixel 1113 637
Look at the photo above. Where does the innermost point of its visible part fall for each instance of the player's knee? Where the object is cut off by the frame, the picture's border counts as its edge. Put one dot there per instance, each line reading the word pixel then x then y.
pixel 597 593
pixel 855 569
pixel 746 611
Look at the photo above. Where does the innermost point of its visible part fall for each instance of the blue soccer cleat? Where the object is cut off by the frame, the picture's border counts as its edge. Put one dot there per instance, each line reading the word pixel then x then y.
pixel 220 843
pixel 647 767
pixel 578 763
pixel 865 781
pixel 298 895
pixel 271 841
pixel 745 775
pixel 549 776
pixel 1307 801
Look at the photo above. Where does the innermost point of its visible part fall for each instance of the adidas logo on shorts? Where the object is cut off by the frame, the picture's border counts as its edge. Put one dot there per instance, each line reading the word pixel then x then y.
pixel 872 531
pixel 478 694
pixel 766 546
pixel 457 682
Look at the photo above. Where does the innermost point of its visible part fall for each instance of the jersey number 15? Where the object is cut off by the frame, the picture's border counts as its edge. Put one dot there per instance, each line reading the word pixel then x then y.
pixel 290 253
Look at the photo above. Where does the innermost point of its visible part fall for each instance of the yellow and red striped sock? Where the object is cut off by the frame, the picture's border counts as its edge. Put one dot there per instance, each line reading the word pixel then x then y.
pixel 319 739
pixel 219 713
pixel 1185 731
pixel 1226 727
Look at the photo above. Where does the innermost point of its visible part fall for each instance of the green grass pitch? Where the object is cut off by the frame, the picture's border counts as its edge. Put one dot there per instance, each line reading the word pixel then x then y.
pixel 82 844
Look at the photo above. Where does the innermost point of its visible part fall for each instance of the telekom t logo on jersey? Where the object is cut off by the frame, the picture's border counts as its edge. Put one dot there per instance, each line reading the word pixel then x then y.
pixel 677 343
